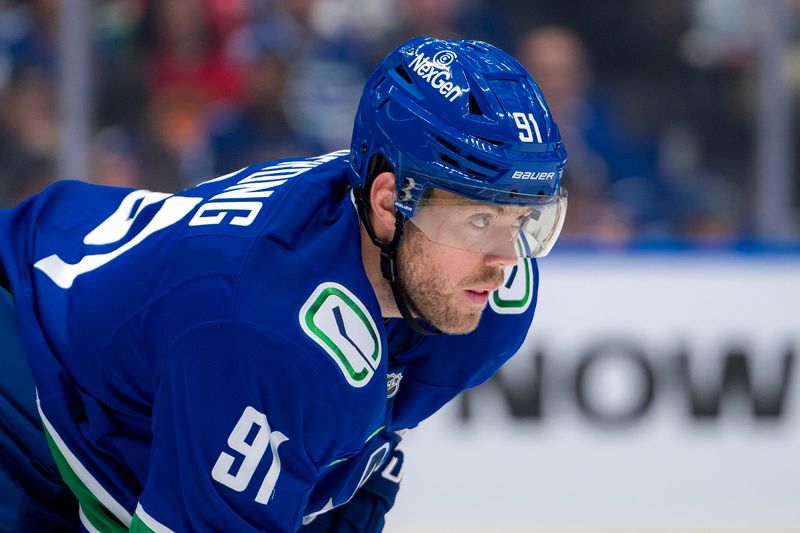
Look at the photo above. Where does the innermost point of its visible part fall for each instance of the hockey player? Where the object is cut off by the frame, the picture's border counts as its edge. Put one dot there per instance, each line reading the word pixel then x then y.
pixel 241 356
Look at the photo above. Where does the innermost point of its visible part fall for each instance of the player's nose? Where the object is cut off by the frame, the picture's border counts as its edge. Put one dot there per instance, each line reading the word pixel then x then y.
pixel 503 254
pixel 503 259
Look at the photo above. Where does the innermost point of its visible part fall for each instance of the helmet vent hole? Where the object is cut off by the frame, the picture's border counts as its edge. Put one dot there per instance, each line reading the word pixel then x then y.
pixel 450 146
pixel 484 164
pixel 450 161
pixel 474 108
pixel 490 141
pixel 403 74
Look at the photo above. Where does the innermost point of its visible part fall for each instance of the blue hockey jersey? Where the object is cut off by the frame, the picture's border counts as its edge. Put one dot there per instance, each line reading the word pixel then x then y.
pixel 216 359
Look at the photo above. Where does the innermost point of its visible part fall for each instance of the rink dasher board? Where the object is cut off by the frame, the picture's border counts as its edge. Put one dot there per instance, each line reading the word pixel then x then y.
pixel 613 415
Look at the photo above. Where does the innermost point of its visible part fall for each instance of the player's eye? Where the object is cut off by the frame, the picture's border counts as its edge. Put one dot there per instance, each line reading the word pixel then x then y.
pixel 480 221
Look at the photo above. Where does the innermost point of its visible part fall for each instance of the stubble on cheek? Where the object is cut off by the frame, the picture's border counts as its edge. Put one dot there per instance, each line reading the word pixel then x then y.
pixel 426 283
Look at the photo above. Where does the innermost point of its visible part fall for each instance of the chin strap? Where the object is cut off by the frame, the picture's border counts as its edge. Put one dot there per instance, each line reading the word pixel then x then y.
pixel 389 266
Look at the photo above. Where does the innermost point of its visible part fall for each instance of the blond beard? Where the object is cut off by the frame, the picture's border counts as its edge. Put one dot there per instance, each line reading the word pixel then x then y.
pixel 425 285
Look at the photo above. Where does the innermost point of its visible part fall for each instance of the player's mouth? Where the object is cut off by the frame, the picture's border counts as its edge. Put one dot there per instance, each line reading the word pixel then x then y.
pixel 479 295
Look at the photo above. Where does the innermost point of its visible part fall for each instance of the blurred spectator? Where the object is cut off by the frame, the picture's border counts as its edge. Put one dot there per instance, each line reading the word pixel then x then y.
pixel 326 63
pixel 30 33
pixel 794 80
pixel 436 18
pixel 174 144
pixel 113 160
pixel 28 116
pixel 28 136
pixel 611 188
pixel 122 87
pixel 655 99
pixel 185 52
pixel 189 79
pixel 707 151
pixel 445 19
pixel 258 130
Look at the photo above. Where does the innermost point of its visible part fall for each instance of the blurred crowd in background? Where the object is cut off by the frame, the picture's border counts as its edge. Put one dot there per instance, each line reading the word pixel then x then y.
pixel 655 99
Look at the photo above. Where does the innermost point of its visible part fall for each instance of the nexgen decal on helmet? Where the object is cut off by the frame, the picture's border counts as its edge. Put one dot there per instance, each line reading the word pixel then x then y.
pixel 464 117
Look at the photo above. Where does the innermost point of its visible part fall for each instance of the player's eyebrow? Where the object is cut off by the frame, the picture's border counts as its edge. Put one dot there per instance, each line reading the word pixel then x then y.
pixel 438 194
pixel 503 210
pixel 512 209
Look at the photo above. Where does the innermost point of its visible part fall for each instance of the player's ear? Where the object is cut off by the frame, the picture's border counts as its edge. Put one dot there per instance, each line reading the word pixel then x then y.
pixel 381 200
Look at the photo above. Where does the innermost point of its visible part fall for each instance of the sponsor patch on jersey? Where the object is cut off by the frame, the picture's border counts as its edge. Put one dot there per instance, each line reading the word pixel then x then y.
pixel 340 324
pixel 515 294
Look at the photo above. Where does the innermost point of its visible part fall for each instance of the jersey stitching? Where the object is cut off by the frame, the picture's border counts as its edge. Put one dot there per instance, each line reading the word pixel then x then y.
pixel 137 315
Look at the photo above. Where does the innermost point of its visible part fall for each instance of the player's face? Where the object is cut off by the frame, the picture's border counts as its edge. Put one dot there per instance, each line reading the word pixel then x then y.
pixel 449 286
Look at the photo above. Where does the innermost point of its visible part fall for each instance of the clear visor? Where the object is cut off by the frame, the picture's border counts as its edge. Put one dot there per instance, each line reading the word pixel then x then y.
pixel 529 227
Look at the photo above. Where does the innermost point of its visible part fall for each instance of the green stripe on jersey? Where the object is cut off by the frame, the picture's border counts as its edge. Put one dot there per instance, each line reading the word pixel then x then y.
pixel 95 512
pixel 137 526
pixel 144 523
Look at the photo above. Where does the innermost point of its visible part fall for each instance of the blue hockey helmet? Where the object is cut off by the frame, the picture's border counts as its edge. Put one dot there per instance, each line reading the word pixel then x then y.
pixel 466 118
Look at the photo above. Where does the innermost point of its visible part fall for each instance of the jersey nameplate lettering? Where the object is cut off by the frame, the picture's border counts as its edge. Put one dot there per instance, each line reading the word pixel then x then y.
pixel 241 202
pixel 340 324
pixel 236 205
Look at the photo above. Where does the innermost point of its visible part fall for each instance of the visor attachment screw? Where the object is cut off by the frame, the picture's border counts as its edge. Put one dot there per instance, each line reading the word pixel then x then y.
pixel 405 192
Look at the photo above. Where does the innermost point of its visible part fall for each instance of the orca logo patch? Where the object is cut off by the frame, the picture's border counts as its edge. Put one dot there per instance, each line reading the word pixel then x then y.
pixel 340 324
